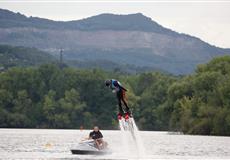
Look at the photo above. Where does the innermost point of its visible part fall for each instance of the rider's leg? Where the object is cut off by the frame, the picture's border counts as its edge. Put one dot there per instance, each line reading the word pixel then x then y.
pixel 103 144
pixel 97 144
pixel 123 98
pixel 126 105
pixel 120 108
pixel 119 98
pixel 127 110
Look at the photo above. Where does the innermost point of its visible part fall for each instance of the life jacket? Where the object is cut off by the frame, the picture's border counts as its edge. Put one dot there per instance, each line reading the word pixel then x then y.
pixel 116 85
pixel 113 86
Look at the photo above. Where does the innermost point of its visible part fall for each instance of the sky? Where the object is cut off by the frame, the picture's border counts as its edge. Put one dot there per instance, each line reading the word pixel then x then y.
pixel 208 20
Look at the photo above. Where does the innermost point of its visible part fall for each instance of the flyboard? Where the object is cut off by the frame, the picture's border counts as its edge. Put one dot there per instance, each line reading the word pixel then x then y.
pixel 126 123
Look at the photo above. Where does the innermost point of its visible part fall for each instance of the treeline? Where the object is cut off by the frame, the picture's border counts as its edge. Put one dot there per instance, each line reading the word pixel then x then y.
pixel 11 56
pixel 19 56
pixel 201 102
pixel 51 96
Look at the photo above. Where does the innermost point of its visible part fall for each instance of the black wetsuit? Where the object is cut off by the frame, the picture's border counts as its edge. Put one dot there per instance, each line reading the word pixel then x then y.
pixel 120 91
pixel 95 135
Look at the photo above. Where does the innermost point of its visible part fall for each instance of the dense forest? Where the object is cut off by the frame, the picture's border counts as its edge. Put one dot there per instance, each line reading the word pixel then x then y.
pixel 51 96
pixel 15 56
pixel 22 56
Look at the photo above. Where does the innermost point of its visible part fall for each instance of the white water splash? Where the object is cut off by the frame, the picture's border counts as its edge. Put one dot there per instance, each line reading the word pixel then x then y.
pixel 140 145
pixel 131 137
pixel 124 139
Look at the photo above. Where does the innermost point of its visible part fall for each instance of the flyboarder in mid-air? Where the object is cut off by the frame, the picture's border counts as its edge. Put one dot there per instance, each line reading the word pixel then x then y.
pixel 120 92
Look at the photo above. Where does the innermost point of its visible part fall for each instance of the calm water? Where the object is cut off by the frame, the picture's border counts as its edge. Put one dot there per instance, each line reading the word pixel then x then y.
pixel 51 144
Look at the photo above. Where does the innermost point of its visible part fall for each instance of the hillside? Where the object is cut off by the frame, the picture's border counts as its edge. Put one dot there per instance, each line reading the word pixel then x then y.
pixel 22 56
pixel 111 66
pixel 124 39
pixel 99 22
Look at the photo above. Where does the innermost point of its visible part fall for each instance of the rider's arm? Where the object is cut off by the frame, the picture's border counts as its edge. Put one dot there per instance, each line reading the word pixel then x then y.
pixel 100 135
pixel 90 135
pixel 118 85
pixel 114 86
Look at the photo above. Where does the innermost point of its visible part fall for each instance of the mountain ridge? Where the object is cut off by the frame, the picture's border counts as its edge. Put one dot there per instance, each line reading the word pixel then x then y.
pixel 133 39
pixel 71 23
pixel 102 15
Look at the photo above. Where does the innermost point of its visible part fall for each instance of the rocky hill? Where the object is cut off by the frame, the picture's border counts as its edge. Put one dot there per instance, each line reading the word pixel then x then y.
pixel 123 39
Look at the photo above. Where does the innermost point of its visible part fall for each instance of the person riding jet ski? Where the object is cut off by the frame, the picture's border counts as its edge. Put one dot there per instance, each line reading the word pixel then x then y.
pixel 97 136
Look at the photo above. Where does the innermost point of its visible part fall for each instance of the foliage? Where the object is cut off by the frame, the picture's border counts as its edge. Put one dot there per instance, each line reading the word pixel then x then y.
pixel 51 96
pixel 200 102
pixel 22 56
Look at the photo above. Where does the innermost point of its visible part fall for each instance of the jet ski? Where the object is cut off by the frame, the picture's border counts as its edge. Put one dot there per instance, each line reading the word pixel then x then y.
pixel 89 147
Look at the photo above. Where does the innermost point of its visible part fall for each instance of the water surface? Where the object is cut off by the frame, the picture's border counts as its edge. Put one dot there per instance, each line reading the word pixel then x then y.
pixel 51 144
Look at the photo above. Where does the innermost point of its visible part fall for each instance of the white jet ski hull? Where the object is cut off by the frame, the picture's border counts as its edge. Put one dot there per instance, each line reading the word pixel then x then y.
pixel 85 152
pixel 88 148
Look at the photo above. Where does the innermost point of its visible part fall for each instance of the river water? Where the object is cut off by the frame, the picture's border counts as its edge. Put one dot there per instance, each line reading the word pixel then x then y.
pixel 56 144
